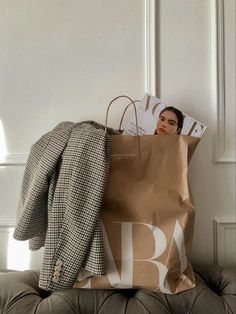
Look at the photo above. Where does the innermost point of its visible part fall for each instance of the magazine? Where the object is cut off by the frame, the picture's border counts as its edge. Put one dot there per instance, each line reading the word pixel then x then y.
pixel 148 112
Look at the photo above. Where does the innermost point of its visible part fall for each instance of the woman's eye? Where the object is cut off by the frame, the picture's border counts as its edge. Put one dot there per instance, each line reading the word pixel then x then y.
pixel 172 123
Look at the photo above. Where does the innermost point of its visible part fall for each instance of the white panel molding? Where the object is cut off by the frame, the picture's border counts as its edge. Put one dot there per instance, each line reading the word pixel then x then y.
pixel 6 223
pixel 20 159
pixel 11 249
pixel 6 229
pixel 221 154
pixel 150 46
pixel 14 160
pixel 225 241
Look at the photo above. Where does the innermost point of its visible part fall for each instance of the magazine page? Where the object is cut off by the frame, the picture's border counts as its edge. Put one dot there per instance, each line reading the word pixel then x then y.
pixel 148 112
pixel 192 127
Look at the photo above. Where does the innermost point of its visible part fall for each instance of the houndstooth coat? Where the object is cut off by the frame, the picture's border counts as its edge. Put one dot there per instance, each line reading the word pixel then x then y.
pixel 61 195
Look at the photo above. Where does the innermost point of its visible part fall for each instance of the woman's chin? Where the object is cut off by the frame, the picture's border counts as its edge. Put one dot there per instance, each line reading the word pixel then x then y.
pixel 161 132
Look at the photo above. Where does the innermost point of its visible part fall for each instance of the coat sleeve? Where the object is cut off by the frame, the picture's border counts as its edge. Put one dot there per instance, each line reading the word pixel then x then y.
pixel 32 213
pixel 80 187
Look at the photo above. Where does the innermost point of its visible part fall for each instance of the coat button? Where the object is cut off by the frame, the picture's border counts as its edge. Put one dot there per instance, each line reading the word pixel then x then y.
pixel 57 268
pixel 59 262
pixel 57 274
pixel 55 279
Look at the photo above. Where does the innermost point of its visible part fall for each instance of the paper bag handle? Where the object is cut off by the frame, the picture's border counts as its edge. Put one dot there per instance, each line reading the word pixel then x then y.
pixel 121 120
pixel 135 111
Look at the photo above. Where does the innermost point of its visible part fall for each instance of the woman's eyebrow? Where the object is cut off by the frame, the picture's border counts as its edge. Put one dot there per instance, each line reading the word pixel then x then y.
pixel 170 120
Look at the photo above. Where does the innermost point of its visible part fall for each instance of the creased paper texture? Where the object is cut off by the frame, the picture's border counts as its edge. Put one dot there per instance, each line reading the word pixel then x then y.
pixel 148 215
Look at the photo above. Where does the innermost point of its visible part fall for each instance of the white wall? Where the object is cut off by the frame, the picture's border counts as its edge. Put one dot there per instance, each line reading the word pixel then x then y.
pixel 188 79
pixel 65 60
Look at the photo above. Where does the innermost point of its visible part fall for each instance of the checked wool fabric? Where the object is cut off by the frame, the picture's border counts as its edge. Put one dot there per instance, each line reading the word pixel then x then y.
pixel 61 195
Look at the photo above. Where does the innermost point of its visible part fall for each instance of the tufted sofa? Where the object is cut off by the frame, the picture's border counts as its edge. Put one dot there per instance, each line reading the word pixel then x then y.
pixel 215 293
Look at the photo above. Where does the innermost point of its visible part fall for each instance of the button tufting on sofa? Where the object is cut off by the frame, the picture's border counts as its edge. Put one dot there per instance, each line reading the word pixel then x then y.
pixel 214 293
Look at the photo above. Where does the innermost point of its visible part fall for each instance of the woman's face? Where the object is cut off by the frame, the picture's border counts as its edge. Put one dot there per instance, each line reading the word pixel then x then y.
pixel 167 123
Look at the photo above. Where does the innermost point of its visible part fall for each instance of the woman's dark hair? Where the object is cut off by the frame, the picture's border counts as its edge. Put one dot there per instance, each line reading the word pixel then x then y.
pixel 179 115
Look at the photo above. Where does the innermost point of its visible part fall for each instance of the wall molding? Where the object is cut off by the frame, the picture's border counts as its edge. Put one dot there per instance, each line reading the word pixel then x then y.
pixel 221 154
pixel 11 249
pixel 225 241
pixel 14 160
pixel 150 46
pixel 6 231
pixel 6 223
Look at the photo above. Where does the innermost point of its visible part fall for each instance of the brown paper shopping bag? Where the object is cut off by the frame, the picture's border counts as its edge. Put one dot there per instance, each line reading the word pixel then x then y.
pixel 148 215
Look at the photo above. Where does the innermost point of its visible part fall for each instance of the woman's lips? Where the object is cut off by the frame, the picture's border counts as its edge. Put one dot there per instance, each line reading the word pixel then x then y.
pixel 160 130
